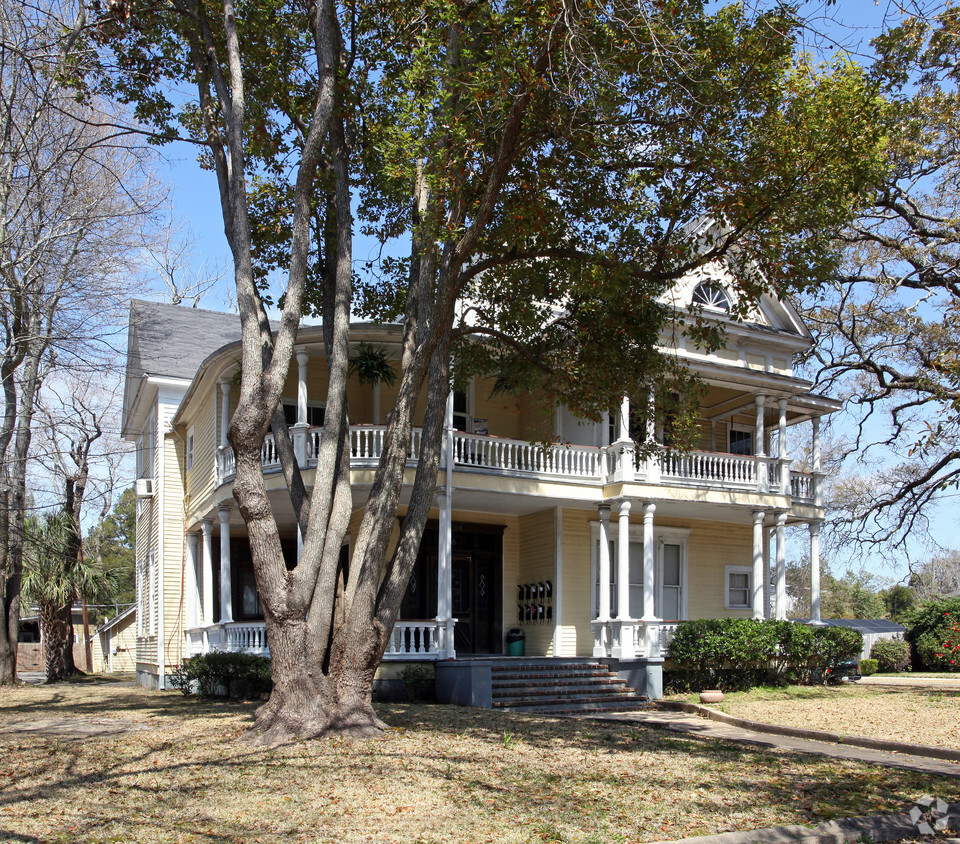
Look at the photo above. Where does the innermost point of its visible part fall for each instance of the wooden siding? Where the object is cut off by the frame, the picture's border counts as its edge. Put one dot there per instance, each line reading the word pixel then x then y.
pixel 201 479
pixel 537 564
pixel 174 551
pixel 576 635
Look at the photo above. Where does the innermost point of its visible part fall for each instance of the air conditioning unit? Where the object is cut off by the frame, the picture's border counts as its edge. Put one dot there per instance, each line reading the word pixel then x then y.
pixel 144 488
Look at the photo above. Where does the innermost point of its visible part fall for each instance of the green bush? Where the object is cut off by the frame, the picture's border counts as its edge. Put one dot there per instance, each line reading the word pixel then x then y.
pixel 868 667
pixel 891 654
pixel 222 674
pixel 929 628
pixel 739 653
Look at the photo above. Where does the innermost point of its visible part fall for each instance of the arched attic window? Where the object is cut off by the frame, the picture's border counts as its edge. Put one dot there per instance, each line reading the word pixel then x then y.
pixel 710 294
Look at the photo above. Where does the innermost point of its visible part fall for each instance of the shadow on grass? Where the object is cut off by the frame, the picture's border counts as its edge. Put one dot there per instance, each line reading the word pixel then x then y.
pixel 501 765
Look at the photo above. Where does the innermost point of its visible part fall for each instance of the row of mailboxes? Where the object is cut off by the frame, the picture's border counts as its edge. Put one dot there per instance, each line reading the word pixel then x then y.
pixel 535 602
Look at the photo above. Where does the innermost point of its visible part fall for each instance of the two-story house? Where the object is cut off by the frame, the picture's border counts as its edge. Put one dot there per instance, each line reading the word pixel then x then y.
pixel 542 522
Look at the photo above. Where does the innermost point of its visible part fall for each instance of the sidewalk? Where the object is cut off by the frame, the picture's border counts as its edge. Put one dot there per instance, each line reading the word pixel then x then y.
pixel 703 722
pixel 933 683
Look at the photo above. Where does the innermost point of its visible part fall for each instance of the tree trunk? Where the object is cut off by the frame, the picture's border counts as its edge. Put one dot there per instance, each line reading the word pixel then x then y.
pixel 55 635
pixel 9 598
pixel 306 702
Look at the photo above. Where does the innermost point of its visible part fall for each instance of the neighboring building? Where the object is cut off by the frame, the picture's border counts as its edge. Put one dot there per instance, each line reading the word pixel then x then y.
pixel 590 552
pixel 115 643
pixel 872 629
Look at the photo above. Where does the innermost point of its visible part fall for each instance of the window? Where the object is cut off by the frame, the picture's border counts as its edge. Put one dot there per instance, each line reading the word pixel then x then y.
pixel 670 571
pixel 190 438
pixel 741 440
pixel 739 588
pixel 710 294
pixel 315 413
pixel 461 410
pixel 145 451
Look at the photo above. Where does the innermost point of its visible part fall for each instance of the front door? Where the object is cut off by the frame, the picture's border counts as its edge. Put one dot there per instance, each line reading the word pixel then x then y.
pixel 476 581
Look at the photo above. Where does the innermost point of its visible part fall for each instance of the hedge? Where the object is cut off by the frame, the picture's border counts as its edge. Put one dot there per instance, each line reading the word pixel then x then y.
pixel 930 631
pixel 891 654
pixel 225 674
pixel 739 653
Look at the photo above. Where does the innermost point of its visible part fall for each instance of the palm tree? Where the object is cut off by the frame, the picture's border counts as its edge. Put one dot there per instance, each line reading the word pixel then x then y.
pixel 54 576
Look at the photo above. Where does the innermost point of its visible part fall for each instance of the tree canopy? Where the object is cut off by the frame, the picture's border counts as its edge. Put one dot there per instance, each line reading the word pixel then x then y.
pixel 888 325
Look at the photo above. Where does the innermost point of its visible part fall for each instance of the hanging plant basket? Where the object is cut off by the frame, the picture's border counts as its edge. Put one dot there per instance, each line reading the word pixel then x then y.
pixel 371 365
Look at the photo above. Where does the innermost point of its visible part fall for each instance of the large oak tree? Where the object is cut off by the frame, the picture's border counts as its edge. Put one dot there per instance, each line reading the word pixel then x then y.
pixel 536 175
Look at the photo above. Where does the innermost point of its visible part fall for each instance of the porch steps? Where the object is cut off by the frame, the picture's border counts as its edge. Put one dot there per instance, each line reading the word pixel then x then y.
pixel 561 688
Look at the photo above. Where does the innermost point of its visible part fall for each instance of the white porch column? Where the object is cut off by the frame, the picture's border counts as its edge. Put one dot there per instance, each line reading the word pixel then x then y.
pixel 226 584
pixel 759 446
pixel 817 471
pixel 206 529
pixel 192 586
pixel 623 561
pixel 649 563
pixel 759 610
pixel 603 563
pixel 781 612
pixel 626 458
pixel 444 570
pixel 603 576
pixel 224 413
pixel 624 648
pixel 782 447
pixel 300 432
pixel 302 358
pixel 650 436
pixel 814 528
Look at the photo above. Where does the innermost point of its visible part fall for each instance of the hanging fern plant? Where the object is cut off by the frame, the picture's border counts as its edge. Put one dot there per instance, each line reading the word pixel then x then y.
pixel 371 366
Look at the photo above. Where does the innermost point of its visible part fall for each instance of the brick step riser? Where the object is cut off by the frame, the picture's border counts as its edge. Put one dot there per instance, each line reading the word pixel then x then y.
pixel 539 691
pixel 551 678
pixel 559 681
pixel 550 698
pixel 559 704
pixel 550 666
pixel 562 709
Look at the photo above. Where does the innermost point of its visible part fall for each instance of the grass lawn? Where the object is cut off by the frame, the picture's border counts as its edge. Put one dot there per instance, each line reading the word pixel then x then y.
pixel 439 774
pixel 901 714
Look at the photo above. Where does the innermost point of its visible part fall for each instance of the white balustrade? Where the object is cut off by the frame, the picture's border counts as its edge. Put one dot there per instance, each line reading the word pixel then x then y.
pixel 709 468
pixel 414 640
pixel 586 464
pixel 268 454
pixel 802 486
pixel 249 637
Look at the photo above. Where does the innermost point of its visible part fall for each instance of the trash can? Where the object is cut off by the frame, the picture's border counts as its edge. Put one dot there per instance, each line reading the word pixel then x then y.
pixel 515 637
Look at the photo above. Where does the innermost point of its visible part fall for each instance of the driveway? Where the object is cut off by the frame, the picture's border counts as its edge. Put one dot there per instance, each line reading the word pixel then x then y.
pixel 909 681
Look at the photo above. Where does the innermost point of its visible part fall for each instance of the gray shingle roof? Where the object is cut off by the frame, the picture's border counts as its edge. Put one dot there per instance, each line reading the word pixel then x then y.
pixel 172 340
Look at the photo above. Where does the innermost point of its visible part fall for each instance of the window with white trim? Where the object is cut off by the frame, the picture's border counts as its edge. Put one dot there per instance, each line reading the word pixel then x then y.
pixel 190 440
pixel 738 592
pixel 670 571
pixel 315 413
pixel 710 294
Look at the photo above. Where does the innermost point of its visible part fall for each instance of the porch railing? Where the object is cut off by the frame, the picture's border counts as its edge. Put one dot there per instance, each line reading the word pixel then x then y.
pixel 419 639
pixel 632 638
pixel 578 463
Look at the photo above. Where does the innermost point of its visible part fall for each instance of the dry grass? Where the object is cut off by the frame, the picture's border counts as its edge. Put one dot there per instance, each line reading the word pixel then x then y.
pixel 439 774
pixel 900 714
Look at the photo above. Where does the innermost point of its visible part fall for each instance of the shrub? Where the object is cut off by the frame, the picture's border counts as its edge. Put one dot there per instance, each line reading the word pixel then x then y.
pixel 419 678
pixel 222 674
pixel 738 653
pixel 929 629
pixel 868 667
pixel 891 654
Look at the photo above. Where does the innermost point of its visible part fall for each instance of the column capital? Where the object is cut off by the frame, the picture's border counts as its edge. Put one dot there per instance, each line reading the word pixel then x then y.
pixel 782 518
pixel 648 510
pixel 761 400
pixel 759 516
pixel 225 385
pixel 814 528
pixel 302 355
pixel 206 527
pixel 624 507
pixel 603 512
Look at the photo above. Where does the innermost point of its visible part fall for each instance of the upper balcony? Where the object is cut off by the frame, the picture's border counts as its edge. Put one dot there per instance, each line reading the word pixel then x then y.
pixel 577 464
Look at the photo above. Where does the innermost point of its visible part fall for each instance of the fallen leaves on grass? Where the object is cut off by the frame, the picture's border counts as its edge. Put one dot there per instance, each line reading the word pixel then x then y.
pixel 440 774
